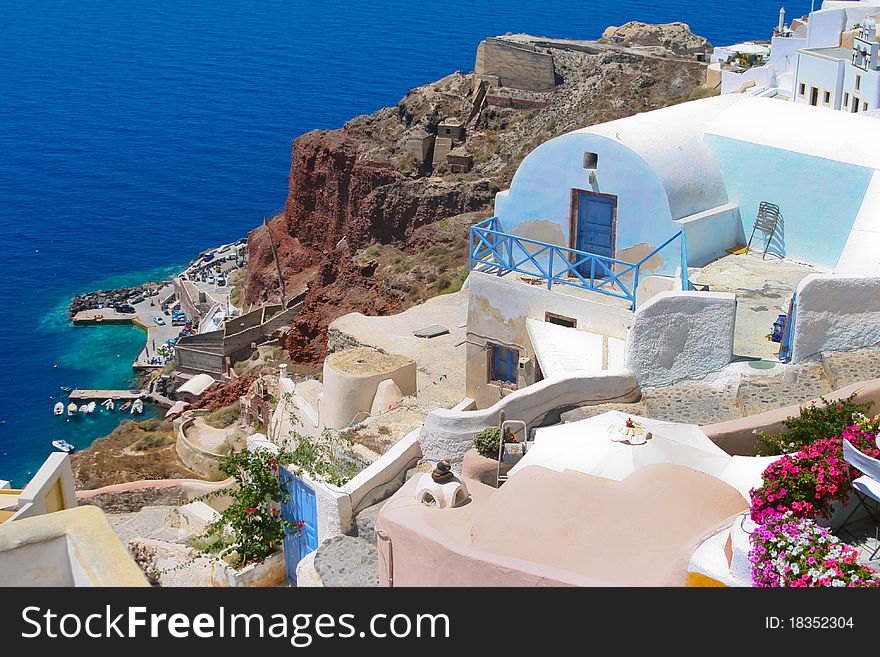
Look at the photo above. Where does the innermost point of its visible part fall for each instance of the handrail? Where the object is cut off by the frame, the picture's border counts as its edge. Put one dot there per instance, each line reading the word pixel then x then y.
pixel 492 247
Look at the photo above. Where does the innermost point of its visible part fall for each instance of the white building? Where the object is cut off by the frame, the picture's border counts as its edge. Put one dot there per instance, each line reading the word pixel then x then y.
pixel 828 59
pixel 838 68
pixel 772 70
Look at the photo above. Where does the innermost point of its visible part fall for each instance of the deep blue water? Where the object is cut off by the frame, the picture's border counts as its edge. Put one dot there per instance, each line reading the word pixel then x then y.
pixel 133 135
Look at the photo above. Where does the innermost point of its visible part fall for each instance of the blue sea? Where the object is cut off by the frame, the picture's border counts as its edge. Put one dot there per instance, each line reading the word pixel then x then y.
pixel 135 134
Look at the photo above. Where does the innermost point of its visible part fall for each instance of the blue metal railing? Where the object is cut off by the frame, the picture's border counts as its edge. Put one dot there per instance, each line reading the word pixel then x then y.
pixel 491 247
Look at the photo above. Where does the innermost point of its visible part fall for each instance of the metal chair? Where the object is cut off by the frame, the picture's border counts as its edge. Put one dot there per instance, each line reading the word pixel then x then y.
pixel 866 486
pixel 765 222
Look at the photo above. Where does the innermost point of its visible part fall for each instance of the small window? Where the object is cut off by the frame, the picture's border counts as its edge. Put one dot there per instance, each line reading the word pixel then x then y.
pixel 560 320
pixel 802 90
pixel 591 161
pixel 814 96
pixel 855 104
pixel 503 363
pixel 845 101
pixel 827 98
pixel 858 82
pixel 864 106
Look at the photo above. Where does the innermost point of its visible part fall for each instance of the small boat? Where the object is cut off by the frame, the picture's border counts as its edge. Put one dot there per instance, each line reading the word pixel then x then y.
pixel 63 446
pixel 59 409
pixel 71 409
pixel 84 408
pixel 90 408
pixel 137 407
pixel 108 404
pixel 125 406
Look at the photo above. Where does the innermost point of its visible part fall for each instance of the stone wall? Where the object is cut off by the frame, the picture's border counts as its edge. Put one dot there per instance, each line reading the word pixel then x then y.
pixel 238 345
pixel 515 65
pixel 195 354
pixel 194 457
pixel 681 335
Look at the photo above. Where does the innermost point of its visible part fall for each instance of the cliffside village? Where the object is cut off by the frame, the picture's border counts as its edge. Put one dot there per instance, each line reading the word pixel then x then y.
pixel 606 313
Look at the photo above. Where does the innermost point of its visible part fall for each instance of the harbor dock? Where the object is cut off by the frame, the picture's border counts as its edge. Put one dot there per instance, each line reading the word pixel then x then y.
pixel 83 395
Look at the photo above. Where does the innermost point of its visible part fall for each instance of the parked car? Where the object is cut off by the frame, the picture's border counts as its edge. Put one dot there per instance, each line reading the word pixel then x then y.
pixel 159 321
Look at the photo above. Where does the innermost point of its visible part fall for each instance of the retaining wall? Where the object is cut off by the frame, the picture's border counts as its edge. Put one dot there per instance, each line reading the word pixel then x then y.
pixel 193 456
pixel 450 433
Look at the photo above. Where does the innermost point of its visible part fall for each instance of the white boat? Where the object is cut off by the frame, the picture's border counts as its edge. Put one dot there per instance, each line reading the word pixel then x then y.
pixel 90 408
pixel 63 446
pixel 137 407
pixel 84 408
pixel 59 408
pixel 71 409
pixel 108 404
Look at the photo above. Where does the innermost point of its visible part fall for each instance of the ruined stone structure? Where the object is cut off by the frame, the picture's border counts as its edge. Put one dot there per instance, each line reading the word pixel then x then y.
pixel 520 66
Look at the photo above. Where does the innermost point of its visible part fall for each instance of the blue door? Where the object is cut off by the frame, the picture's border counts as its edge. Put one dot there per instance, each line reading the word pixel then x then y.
pixel 595 228
pixel 302 505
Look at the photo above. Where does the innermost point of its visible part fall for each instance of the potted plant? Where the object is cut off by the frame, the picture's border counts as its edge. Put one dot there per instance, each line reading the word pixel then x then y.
pixel 249 533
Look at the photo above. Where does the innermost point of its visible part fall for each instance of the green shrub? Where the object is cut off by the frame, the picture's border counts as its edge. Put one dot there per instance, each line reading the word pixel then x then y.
pixel 814 423
pixel 374 250
pixel 152 424
pixel 152 439
pixel 224 417
pixel 704 92
pixel 487 442
pixel 432 277
pixel 239 367
pixel 251 524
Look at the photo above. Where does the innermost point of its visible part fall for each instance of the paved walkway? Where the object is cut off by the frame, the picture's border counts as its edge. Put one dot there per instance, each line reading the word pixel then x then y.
pixel 763 289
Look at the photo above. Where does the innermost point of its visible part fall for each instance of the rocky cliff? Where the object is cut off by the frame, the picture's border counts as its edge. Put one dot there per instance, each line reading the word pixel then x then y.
pixel 365 200
pixel 673 38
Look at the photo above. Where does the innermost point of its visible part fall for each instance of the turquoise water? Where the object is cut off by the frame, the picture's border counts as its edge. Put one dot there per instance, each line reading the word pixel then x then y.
pixel 91 357
pixel 135 134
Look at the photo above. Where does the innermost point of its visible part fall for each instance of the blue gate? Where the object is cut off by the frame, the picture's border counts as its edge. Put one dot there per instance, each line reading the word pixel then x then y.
pixel 303 506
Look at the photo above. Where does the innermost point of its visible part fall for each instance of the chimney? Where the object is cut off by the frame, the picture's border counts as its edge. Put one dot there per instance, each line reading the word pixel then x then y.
pixel 781 26
pixel 283 369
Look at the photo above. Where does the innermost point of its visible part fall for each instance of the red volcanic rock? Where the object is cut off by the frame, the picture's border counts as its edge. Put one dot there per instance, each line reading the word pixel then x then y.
pixel 224 395
pixel 337 192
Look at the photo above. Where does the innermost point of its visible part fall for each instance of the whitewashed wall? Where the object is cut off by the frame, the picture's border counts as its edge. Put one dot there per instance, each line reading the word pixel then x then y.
pixel 681 335
pixel 835 313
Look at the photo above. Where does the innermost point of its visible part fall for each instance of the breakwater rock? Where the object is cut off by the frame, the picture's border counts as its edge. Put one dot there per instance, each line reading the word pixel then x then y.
pixel 112 298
